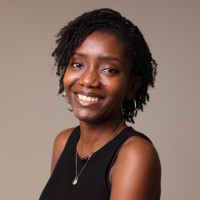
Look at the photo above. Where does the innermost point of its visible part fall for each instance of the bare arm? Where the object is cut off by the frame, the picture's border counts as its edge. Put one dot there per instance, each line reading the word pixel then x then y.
pixel 136 173
pixel 59 145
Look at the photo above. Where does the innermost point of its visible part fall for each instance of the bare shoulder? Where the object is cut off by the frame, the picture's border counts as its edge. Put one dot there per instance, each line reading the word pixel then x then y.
pixel 59 144
pixel 139 163
pixel 62 138
pixel 139 149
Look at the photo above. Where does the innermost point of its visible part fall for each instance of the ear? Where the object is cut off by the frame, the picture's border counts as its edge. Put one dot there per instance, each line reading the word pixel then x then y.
pixel 135 85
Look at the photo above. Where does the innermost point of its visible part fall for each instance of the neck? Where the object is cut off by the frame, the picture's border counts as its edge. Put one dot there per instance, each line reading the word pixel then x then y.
pixel 94 136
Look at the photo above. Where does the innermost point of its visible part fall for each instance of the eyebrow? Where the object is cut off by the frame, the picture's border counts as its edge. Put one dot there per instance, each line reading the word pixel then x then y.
pixel 100 57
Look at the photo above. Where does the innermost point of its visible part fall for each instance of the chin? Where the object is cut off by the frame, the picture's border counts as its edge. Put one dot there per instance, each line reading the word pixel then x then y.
pixel 84 116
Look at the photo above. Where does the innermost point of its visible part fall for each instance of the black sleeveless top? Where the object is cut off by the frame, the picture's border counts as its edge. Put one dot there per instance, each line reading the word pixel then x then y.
pixel 93 182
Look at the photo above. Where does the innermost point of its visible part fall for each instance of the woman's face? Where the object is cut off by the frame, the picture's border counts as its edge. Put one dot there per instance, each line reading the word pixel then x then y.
pixel 97 78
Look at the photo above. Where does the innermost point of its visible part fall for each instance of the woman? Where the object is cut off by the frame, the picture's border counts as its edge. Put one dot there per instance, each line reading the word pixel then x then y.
pixel 105 70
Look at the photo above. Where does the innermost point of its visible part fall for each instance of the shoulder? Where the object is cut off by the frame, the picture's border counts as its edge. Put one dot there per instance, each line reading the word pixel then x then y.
pixel 62 138
pixel 137 148
pixel 59 145
pixel 139 163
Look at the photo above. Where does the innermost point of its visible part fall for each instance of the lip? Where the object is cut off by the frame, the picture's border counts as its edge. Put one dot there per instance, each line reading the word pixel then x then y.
pixel 87 99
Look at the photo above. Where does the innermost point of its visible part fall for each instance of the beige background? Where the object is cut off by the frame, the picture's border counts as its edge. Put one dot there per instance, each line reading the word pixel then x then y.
pixel 31 113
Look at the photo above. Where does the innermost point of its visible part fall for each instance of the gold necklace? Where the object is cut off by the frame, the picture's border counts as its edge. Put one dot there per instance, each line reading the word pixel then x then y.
pixel 75 181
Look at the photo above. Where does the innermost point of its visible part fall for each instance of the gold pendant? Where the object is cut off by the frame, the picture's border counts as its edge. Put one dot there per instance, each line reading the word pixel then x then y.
pixel 74 182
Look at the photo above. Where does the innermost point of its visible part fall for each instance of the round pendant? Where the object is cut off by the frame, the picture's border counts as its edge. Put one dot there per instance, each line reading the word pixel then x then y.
pixel 74 182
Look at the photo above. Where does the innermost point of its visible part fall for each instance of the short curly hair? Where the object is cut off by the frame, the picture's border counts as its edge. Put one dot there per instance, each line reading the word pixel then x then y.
pixel 108 20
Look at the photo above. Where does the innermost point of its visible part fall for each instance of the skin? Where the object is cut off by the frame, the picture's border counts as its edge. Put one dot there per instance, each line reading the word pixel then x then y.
pixel 100 70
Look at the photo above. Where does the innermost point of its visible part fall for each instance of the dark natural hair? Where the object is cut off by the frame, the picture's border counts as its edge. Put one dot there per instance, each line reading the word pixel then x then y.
pixel 107 20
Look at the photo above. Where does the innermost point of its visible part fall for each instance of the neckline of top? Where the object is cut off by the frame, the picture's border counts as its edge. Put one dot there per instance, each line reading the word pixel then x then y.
pixel 104 146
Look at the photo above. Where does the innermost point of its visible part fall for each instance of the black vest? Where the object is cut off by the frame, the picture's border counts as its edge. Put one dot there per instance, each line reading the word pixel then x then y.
pixel 93 182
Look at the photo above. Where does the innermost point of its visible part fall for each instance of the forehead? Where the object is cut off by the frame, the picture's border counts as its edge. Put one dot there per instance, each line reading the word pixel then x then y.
pixel 102 43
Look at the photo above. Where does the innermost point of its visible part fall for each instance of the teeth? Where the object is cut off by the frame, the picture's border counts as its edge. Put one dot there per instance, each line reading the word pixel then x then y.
pixel 86 98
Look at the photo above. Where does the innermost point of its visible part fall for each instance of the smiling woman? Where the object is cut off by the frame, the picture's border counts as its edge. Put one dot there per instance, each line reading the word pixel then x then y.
pixel 96 76
pixel 105 69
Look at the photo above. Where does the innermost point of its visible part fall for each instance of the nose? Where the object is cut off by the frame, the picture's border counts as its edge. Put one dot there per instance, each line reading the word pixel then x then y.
pixel 89 79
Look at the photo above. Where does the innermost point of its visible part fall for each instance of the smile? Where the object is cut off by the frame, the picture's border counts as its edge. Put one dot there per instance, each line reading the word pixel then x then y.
pixel 88 98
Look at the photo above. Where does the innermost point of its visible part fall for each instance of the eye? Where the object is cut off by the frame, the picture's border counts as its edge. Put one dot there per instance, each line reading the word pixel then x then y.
pixel 77 65
pixel 110 70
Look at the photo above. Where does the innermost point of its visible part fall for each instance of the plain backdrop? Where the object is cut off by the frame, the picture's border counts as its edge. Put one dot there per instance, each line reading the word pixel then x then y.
pixel 32 114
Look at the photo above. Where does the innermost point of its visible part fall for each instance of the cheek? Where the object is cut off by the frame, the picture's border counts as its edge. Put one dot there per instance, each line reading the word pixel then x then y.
pixel 69 79
pixel 117 88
